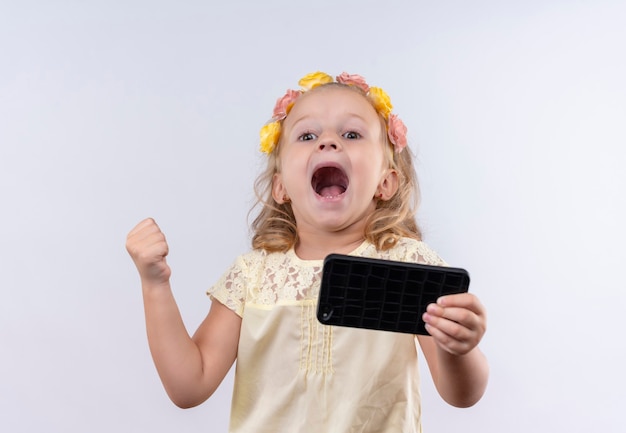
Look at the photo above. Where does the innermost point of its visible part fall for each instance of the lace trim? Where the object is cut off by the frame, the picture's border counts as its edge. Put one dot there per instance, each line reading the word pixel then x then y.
pixel 267 279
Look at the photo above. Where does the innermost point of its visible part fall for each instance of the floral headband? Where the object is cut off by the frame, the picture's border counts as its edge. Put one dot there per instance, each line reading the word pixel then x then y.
pixel 396 130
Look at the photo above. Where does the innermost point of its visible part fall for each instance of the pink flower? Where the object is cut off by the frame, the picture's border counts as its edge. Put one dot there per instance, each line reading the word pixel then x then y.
pixel 353 80
pixel 396 129
pixel 284 104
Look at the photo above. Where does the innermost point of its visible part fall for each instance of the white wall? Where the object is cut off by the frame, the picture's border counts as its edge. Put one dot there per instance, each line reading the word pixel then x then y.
pixel 114 111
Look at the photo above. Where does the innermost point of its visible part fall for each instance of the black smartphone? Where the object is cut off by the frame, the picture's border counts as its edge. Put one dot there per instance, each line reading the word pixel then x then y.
pixel 382 294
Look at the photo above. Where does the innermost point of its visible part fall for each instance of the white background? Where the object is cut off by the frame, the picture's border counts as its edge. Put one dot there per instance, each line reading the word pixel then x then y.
pixel 114 111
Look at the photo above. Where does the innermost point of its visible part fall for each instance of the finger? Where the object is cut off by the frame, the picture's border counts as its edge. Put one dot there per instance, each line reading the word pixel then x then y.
pixel 147 244
pixel 144 232
pixel 459 325
pixel 448 318
pixel 451 343
pixel 467 316
pixel 159 246
pixel 463 316
pixel 151 246
pixel 435 310
pixel 453 328
pixel 142 226
pixel 462 300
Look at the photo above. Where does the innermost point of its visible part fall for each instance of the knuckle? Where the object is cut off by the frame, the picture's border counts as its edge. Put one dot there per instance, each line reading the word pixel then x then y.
pixel 465 316
pixel 456 332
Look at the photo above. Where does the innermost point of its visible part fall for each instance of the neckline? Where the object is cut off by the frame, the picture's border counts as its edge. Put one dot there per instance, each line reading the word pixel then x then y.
pixel 318 262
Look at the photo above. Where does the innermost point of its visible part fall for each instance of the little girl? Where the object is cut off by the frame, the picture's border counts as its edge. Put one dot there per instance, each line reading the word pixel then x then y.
pixel 339 179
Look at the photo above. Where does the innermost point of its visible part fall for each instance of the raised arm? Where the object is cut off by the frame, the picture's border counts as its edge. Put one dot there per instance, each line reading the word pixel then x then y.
pixel 191 369
pixel 459 369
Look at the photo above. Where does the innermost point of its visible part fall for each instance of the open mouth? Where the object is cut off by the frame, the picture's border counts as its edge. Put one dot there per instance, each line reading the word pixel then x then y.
pixel 329 181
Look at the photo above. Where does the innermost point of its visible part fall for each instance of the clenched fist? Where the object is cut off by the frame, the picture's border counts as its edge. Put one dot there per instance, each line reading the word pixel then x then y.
pixel 148 248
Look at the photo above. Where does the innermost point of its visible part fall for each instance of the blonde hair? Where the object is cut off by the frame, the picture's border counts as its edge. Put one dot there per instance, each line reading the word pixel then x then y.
pixel 274 227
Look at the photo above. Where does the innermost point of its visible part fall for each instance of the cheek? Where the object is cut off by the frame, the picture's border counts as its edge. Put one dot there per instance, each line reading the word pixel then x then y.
pixel 370 171
pixel 292 158
pixel 293 171
pixel 372 163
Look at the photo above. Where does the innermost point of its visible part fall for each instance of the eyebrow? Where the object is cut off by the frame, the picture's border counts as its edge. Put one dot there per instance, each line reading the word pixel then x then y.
pixel 348 116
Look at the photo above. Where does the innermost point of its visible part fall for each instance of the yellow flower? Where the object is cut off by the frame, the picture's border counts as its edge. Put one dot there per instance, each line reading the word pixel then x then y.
pixel 314 79
pixel 381 101
pixel 270 133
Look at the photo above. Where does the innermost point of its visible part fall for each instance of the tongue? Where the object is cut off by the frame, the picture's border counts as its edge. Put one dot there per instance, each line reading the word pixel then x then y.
pixel 331 191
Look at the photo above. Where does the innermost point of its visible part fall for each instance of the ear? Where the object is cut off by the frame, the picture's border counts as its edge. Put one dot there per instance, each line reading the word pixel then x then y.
pixel 388 185
pixel 279 193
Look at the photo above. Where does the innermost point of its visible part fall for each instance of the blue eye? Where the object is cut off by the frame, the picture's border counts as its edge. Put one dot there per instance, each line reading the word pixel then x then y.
pixel 351 135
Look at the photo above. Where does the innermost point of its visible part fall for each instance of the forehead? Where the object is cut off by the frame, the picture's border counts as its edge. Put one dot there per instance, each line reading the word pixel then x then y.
pixel 332 99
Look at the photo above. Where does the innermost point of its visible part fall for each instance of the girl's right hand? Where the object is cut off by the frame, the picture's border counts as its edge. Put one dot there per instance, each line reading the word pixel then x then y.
pixel 148 248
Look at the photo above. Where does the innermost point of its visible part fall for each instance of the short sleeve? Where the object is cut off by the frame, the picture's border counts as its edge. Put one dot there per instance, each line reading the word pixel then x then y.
pixel 425 254
pixel 231 288
pixel 411 250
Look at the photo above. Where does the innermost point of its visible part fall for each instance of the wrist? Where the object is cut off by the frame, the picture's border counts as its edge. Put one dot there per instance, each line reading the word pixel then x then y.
pixel 151 286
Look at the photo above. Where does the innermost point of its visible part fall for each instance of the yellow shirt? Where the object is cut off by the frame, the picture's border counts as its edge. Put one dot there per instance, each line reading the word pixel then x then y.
pixel 294 374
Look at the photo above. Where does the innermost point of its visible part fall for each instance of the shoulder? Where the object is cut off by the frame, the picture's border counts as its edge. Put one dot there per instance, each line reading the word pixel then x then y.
pixel 252 256
pixel 244 264
pixel 259 259
pixel 412 250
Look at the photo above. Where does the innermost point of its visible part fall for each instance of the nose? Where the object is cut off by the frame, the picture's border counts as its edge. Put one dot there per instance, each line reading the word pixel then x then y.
pixel 328 144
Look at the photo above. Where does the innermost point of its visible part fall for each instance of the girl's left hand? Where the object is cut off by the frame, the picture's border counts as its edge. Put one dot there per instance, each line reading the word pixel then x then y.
pixel 456 322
